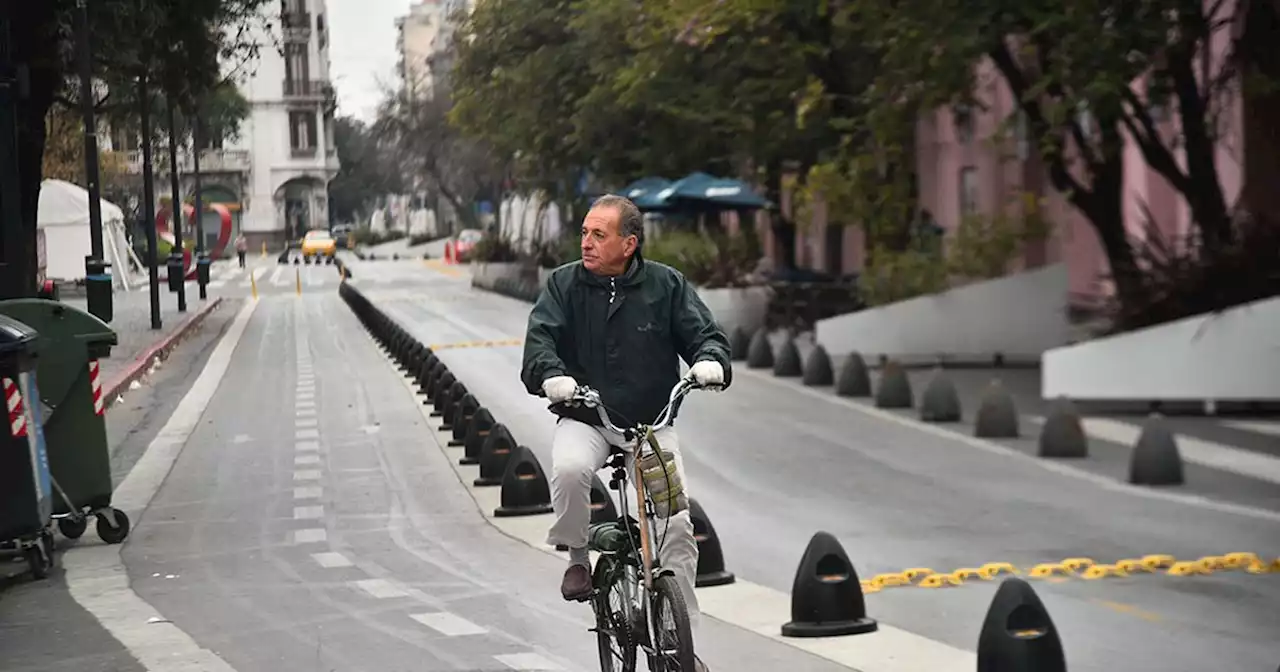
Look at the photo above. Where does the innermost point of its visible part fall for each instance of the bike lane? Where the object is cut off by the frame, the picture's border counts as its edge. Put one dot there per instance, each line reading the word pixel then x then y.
pixel 311 522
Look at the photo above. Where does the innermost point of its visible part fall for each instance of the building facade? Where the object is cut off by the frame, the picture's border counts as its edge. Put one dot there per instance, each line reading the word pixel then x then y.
pixel 419 37
pixel 289 132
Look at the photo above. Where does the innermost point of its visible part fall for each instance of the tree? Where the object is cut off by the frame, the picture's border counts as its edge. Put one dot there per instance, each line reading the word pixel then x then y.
pixel 182 43
pixel 367 171
pixel 424 144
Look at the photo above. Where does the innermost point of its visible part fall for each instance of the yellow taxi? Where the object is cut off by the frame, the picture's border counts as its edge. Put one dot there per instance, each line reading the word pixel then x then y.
pixel 318 243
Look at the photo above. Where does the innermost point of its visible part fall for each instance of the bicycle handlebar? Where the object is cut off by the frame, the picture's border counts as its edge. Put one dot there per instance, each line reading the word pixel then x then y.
pixel 591 399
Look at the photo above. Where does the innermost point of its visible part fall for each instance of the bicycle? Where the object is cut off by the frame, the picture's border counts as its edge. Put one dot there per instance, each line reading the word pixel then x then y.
pixel 626 566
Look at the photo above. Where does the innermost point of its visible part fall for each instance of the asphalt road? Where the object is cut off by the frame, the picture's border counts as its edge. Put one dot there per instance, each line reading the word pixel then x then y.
pixel 311 523
pixel 773 463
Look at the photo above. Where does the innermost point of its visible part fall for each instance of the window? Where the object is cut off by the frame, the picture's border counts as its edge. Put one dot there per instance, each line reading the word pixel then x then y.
pixel 968 191
pixel 302 130
pixel 297 67
pixel 962 117
pixel 1020 134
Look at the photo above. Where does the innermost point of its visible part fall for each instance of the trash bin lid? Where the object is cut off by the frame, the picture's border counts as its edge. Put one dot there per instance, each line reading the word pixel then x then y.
pixel 15 336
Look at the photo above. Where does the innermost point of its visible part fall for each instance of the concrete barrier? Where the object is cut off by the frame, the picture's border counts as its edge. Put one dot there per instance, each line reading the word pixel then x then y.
pixel 1230 356
pixel 1015 319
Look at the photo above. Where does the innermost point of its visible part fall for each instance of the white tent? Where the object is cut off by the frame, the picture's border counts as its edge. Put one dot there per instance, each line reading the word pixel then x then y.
pixel 63 234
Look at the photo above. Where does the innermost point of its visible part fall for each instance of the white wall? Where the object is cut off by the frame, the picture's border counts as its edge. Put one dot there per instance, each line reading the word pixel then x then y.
pixel 1231 356
pixel 1018 316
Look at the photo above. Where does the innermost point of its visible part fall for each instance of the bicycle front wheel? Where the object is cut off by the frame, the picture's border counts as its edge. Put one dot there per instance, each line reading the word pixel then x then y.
pixel 615 636
pixel 672 635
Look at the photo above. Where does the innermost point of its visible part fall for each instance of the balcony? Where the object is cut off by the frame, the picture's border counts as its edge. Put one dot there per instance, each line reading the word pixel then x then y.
pixel 308 90
pixel 296 26
pixel 211 161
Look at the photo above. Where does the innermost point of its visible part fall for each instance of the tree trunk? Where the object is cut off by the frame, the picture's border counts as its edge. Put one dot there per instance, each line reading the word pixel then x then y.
pixel 34 44
pixel 782 227
pixel 1260 64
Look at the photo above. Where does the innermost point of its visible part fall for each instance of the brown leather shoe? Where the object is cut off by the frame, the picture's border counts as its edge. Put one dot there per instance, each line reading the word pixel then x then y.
pixel 576 585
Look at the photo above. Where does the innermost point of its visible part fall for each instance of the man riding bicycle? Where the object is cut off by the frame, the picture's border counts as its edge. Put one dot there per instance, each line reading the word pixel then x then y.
pixel 619 324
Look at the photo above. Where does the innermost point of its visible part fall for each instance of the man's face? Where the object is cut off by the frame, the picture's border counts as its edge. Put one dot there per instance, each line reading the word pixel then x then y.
pixel 604 250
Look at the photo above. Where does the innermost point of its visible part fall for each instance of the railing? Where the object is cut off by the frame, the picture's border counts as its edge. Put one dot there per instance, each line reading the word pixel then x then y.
pixel 296 22
pixel 307 89
pixel 211 161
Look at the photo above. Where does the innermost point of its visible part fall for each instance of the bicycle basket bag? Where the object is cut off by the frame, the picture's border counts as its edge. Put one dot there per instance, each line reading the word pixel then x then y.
pixel 662 480
pixel 606 537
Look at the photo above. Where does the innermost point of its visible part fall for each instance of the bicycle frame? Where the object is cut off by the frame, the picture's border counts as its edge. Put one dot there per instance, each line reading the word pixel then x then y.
pixel 643 436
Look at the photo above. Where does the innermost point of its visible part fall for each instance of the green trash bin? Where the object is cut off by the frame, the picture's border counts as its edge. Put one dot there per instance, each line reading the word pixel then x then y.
pixel 26 489
pixel 75 430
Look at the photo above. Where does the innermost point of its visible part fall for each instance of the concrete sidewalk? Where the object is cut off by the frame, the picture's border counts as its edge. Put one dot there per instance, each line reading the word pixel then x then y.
pixel 138 343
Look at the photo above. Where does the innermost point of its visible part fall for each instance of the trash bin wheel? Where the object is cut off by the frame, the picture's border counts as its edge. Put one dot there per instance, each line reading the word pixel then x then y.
pixel 116 534
pixel 40 556
pixel 72 527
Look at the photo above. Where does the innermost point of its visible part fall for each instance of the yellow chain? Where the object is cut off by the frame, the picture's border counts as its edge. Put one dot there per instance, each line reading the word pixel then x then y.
pixel 1084 568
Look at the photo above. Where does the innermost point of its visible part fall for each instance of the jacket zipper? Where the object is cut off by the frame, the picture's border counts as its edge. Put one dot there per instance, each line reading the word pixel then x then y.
pixel 613 290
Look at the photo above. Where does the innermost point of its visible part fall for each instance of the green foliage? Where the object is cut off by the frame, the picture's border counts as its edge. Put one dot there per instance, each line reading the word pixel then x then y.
pixel 493 248
pixel 689 252
pixel 981 247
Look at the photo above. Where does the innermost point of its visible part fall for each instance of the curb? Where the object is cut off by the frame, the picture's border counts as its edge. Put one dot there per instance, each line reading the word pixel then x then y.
pixel 138 368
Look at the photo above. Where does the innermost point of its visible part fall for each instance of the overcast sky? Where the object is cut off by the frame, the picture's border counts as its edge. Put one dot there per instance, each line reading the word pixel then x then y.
pixel 362 54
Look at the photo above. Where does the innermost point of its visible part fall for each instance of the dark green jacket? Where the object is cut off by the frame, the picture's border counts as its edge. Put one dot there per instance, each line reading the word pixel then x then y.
pixel 621 336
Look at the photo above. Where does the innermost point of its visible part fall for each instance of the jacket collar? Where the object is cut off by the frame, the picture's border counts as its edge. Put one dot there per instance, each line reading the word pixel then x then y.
pixel 634 274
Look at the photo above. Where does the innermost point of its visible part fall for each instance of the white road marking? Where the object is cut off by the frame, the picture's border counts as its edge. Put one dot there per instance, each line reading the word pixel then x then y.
pixel 380 588
pixel 305 396
pixel 306 434
pixel 306 475
pixel 306 412
pixel 95 574
pixel 526 661
pixel 308 512
pixel 241 438
pixel 331 560
pixel 305 404
pixel 1255 426
pixel 278 279
pixel 302 460
pixel 308 492
pixel 303 423
pixel 1196 451
pixel 304 446
pixel 310 536
pixel 448 624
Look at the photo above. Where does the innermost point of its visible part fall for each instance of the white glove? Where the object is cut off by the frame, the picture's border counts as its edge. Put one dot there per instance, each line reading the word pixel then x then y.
pixel 707 372
pixel 559 388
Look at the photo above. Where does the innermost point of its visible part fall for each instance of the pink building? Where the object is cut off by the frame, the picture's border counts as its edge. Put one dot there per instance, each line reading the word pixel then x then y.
pixel 969 164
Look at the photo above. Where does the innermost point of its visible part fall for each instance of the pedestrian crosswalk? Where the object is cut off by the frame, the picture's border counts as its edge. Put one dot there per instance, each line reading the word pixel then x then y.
pixel 269 276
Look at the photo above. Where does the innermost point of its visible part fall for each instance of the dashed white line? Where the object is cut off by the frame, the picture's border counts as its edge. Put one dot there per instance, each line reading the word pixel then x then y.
pixel 305 404
pixel 302 423
pixel 306 412
pixel 304 446
pixel 306 434
pixel 302 460
pixel 306 475
pixel 526 661
pixel 380 588
pixel 1269 428
pixel 308 492
pixel 448 624
pixel 308 512
pixel 310 536
pixel 331 560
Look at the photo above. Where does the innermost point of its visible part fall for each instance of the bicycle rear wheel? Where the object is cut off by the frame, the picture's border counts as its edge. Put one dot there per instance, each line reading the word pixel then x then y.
pixel 615 639
pixel 672 637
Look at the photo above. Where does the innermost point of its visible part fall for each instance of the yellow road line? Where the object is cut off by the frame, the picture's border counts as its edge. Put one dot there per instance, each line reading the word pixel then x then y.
pixel 477 344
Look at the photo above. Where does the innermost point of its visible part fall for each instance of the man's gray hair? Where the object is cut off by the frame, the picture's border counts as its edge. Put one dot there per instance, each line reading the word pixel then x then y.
pixel 630 221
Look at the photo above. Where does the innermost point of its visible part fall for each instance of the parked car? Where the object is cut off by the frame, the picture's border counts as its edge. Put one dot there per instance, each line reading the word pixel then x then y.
pixel 467 239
